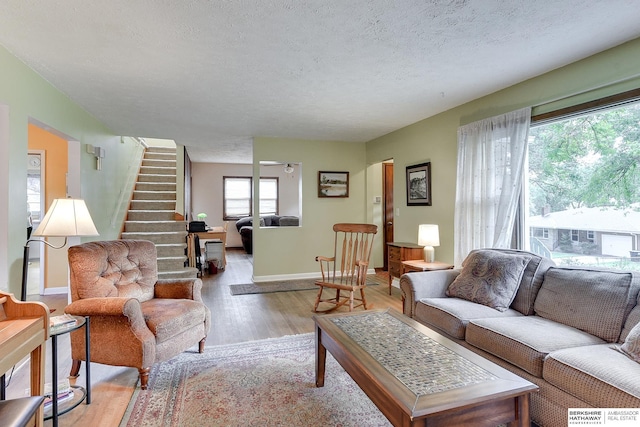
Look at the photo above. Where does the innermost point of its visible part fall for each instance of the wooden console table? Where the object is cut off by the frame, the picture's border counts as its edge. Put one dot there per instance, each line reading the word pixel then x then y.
pixel 398 252
pixel 24 330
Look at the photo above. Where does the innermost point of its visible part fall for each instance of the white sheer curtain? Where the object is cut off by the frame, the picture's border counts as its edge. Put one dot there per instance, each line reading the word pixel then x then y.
pixel 491 155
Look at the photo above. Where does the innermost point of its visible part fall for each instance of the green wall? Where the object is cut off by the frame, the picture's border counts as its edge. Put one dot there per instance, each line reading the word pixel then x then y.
pixel 435 139
pixel 291 251
pixel 25 97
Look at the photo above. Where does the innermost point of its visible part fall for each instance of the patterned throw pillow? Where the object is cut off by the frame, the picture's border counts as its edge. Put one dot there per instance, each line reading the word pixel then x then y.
pixel 489 278
pixel 631 346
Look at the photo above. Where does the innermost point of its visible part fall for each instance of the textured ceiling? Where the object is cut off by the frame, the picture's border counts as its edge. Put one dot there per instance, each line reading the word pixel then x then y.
pixel 213 74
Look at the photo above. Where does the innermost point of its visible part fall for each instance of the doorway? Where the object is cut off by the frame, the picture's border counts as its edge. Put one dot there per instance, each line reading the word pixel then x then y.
pixel 387 197
pixel 35 211
pixel 58 176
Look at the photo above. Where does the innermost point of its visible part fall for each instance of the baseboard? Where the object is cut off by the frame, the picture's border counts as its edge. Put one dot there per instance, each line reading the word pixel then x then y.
pixel 296 276
pixel 56 291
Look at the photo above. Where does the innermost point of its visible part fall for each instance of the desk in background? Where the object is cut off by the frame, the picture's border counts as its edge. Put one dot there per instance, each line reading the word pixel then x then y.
pixel 214 233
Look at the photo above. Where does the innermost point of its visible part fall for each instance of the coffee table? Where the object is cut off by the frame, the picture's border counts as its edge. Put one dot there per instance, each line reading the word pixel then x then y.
pixel 417 377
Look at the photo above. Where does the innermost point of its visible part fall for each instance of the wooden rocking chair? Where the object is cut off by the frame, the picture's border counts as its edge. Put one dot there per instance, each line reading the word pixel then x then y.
pixel 346 270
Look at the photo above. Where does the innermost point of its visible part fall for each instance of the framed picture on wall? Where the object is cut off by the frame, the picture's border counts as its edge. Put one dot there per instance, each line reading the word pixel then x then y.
pixel 419 185
pixel 333 184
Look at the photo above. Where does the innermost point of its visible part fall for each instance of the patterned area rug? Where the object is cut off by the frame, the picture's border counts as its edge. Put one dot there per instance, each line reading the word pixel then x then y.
pixel 259 383
pixel 284 286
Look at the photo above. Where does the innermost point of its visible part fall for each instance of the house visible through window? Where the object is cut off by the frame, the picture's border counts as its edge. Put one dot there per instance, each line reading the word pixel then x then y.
pixel 575 236
pixel 582 188
pixel 238 199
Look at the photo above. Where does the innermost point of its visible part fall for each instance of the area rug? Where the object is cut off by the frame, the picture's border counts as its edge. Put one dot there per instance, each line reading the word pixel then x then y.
pixel 258 383
pixel 284 286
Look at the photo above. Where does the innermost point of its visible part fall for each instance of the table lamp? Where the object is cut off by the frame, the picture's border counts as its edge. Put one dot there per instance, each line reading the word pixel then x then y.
pixel 428 236
pixel 65 218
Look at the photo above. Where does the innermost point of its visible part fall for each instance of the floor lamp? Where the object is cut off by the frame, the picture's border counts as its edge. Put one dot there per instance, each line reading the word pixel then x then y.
pixel 65 218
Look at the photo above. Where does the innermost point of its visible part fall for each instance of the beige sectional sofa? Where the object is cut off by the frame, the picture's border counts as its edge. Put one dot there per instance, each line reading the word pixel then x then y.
pixel 562 328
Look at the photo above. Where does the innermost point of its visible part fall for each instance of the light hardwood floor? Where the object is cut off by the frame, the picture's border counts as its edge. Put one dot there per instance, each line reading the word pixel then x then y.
pixel 234 319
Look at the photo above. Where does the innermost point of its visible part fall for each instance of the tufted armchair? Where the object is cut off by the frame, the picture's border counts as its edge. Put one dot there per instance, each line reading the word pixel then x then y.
pixel 136 319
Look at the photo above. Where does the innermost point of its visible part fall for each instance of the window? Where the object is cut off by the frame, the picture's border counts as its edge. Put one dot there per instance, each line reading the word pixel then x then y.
pixel 575 236
pixel 238 198
pixel 584 170
pixel 541 233
pixel 268 196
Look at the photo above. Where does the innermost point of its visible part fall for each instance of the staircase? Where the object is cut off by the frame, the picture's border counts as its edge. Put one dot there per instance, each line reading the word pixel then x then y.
pixel 151 214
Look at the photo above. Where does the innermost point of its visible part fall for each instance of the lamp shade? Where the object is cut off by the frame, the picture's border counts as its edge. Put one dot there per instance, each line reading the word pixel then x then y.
pixel 428 235
pixel 65 218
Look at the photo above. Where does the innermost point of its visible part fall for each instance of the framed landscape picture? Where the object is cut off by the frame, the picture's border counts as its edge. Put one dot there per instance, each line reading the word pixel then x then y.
pixel 333 184
pixel 419 185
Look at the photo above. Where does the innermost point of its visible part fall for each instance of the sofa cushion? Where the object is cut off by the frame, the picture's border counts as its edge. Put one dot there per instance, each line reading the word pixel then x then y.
pixel 632 320
pixel 531 278
pixel 489 278
pixel 451 315
pixel 289 221
pixel 631 346
pixel 270 221
pixel 599 375
pixel 525 341
pixel 244 222
pixel 593 300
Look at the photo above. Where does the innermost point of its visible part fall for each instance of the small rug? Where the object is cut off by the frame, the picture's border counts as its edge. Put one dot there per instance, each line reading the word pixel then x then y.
pixel 259 383
pixel 281 286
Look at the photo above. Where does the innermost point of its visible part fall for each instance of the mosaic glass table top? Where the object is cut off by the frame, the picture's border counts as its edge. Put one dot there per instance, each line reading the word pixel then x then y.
pixel 422 364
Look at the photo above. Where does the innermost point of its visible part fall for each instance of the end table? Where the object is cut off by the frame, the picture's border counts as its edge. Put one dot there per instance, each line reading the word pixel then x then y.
pixel 81 393
pixel 420 265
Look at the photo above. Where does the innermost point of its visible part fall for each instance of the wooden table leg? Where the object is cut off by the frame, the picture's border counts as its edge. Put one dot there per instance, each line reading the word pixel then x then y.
pixel 321 358
pixel 522 406
pixel 37 379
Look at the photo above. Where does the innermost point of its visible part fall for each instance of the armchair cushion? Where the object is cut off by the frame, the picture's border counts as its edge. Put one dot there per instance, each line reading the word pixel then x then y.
pixel 125 268
pixel 166 319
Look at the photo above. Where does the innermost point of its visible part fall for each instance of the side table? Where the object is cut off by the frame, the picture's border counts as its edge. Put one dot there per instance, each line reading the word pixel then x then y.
pixel 420 265
pixel 80 393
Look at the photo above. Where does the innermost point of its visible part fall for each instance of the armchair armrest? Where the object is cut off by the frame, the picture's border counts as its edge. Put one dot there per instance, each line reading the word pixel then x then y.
pixel 426 284
pixel 128 307
pixel 113 318
pixel 179 289
pixel 325 265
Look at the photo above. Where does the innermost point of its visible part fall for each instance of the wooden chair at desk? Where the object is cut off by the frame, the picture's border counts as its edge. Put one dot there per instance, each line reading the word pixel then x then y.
pixel 24 330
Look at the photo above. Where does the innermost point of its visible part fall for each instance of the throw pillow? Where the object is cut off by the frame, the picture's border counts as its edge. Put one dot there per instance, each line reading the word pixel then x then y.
pixel 489 278
pixel 631 346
